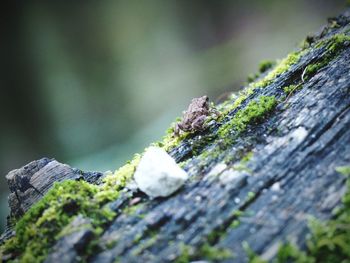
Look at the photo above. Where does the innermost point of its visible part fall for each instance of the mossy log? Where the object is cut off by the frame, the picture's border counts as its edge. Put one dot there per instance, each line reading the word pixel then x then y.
pixel 266 180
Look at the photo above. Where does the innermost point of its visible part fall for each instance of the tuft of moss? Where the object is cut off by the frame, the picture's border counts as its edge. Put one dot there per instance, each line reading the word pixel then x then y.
pixel 45 222
pixel 254 111
pixel 242 164
pixel 291 88
pixel 37 230
pixel 252 256
pixel 344 170
pixel 333 47
pixel 169 141
pixel 280 68
pixel 252 77
pixel 204 252
pixel 276 69
pixel 265 65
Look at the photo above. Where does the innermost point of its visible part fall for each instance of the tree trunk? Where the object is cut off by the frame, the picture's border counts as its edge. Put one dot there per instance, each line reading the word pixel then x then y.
pixel 257 174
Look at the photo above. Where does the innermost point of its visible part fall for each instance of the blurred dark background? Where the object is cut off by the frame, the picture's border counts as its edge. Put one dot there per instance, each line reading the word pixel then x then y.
pixel 91 82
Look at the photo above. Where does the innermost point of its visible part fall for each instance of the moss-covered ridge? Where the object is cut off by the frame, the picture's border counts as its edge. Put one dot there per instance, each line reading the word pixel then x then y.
pixel 42 225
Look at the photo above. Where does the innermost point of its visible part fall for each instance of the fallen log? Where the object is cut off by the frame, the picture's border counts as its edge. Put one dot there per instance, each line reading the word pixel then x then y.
pixel 266 180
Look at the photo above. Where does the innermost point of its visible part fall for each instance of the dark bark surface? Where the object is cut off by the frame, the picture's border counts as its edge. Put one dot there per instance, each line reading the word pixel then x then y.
pixel 290 177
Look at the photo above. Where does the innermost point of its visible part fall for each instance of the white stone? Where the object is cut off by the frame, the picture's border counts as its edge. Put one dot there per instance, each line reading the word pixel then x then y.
pixel 276 187
pixel 299 134
pixel 158 174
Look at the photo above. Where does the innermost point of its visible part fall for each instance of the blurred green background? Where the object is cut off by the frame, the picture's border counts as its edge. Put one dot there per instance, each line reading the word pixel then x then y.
pixel 89 83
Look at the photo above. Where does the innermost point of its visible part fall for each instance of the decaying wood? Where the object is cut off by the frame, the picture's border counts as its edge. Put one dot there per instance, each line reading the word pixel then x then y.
pixel 30 183
pixel 292 175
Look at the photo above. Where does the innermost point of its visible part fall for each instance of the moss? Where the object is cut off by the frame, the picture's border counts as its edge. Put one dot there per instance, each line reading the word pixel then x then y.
pixel 37 230
pixel 252 77
pixel 333 47
pixel 185 254
pixel 246 158
pixel 277 69
pixel 219 233
pixel 265 65
pixel 242 167
pixel 114 182
pixel 44 223
pixel 235 223
pixel 253 112
pixel 67 230
pixel 242 164
pixel 216 234
pixel 170 141
pixel 344 170
pixel 250 196
pixel 291 88
pixel 252 256
pixel 204 252
pixel 281 67
pixel 134 210
pixel 145 243
pixel 213 253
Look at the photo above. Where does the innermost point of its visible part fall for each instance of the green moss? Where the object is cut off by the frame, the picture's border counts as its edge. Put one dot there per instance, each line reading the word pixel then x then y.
pixel 213 253
pixel 333 46
pixel 44 223
pixel 281 67
pixel 291 88
pixel 246 158
pixel 204 252
pixel 242 164
pixel 253 112
pixel 67 230
pixel 344 170
pixel 134 210
pixel 242 167
pixel 252 77
pixel 114 182
pixel 265 65
pixel 145 243
pixel 250 196
pixel 185 254
pixel 252 256
pixel 36 231
pixel 235 223
pixel 216 235
pixel 170 141
pixel 220 232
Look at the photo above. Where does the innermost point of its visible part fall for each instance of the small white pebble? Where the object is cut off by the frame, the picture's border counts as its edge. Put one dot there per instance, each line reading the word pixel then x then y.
pixel 276 187
pixel 158 174
pixel 237 200
pixel 299 134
